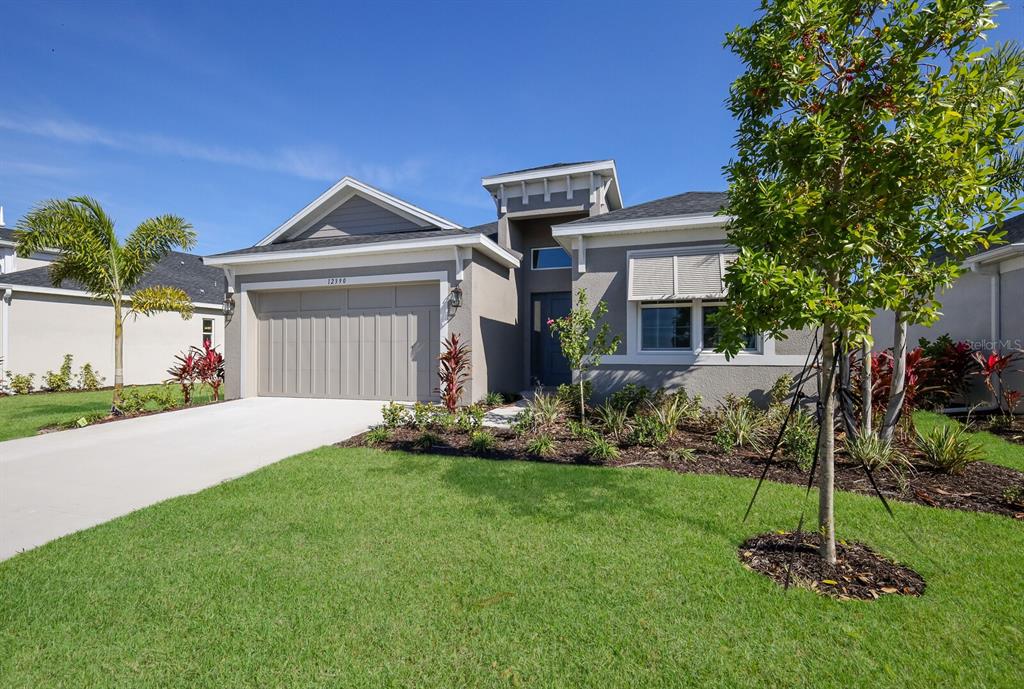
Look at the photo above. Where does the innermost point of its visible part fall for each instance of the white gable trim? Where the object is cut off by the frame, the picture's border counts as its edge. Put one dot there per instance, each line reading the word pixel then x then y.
pixel 344 190
pixel 477 241
pixel 676 222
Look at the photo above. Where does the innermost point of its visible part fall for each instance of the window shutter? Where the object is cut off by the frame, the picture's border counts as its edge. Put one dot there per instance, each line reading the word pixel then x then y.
pixel 681 276
pixel 651 277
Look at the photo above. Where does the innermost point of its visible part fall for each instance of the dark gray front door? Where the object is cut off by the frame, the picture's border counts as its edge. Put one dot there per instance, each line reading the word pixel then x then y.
pixel 547 365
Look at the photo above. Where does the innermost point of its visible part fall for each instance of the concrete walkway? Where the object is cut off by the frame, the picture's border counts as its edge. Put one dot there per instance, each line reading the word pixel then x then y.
pixel 58 483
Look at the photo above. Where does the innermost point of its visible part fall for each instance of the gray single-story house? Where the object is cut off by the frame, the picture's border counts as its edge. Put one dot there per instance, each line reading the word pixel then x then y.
pixel 352 296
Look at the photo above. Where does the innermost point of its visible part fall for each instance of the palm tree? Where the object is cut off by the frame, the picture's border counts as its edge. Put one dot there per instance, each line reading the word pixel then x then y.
pixel 92 255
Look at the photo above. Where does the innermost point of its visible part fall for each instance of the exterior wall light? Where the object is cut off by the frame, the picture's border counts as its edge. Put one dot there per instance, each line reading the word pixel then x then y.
pixel 229 305
pixel 455 298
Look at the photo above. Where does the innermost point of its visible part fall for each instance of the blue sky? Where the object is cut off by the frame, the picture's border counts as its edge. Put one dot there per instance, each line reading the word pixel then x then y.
pixel 237 115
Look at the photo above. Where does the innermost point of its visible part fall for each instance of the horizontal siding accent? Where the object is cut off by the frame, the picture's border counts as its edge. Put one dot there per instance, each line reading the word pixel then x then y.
pixel 357 215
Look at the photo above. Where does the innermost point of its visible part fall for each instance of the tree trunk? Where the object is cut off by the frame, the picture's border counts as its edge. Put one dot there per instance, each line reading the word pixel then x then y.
pixel 865 388
pixel 118 356
pixel 582 403
pixel 898 387
pixel 827 443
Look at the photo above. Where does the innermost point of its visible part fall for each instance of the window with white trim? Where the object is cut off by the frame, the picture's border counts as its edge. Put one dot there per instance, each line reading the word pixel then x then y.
pixel 710 331
pixel 666 327
pixel 208 332
pixel 550 258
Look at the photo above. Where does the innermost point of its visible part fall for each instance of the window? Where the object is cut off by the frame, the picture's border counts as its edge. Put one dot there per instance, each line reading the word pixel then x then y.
pixel 208 332
pixel 710 330
pixel 550 258
pixel 665 327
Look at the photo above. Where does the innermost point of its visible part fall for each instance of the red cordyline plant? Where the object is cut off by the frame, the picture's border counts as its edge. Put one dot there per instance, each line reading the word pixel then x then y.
pixel 185 372
pixel 917 383
pixel 210 368
pixel 453 371
pixel 992 367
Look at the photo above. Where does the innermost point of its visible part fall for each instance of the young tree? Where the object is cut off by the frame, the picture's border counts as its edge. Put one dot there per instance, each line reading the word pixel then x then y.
pixel 92 256
pixel 583 342
pixel 872 136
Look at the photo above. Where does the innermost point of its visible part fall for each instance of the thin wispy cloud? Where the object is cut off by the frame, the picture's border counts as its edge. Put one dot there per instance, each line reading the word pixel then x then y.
pixel 317 164
pixel 19 167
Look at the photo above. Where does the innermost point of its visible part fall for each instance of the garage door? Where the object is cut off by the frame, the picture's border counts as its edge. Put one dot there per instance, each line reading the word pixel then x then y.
pixel 376 342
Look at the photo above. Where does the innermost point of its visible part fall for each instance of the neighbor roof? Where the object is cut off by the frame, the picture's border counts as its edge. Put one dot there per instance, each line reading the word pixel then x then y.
pixel 346 240
pixel 1014 228
pixel 6 234
pixel 203 284
pixel 687 203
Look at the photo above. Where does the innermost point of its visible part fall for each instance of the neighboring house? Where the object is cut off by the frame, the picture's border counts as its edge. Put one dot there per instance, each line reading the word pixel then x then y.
pixel 352 296
pixel 11 262
pixel 39 323
pixel 985 307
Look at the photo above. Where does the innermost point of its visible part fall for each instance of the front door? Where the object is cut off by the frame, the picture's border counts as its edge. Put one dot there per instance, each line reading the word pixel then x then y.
pixel 547 365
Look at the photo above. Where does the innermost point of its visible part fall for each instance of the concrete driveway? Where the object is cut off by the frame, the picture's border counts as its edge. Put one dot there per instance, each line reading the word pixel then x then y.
pixel 58 483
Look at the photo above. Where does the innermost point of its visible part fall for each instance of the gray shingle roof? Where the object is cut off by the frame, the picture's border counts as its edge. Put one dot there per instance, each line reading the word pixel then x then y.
pixel 1014 228
pixel 544 167
pixel 6 234
pixel 688 203
pixel 348 240
pixel 201 283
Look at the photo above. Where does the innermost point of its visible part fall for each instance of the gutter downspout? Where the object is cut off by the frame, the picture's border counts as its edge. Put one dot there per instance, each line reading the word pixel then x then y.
pixel 5 319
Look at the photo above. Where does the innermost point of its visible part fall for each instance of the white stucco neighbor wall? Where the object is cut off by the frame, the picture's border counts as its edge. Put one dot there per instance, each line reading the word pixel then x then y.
pixel 11 263
pixel 42 328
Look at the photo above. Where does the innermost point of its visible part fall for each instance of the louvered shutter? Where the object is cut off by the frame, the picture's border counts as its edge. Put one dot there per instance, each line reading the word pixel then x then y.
pixel 682 276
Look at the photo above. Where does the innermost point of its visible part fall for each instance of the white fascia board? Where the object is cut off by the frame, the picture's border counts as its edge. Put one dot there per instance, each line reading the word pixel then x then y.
pixel 381 197
pixel 62 292
pixel 1000 253
pixel 677 222
pixel 478 241
pixel 550 172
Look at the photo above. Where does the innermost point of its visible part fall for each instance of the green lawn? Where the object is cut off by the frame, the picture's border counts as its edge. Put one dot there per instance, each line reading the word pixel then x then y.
pixel 359 568
pixel 25 415
pixel 997 450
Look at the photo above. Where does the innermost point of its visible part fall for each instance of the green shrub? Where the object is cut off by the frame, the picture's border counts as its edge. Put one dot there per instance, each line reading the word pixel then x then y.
pixel 444 419
pixel 89 378
pixel 781 389
pixel 165 397
pixel 133 401
pixel 423 415
pixel 426 440
pixel 600 450
pixel 630 398
pixel 545 408
pixel 482 441
pixel 471 419
pixel 948 448
pixel 873 452
pixel 61 380
pixel 692 408
pixel 541 446
pixel 740 421
pixel 613 420
pixel 523 422
pixel 649 431
pixel 394 414
pixel 1014 495
pixel 378 435
pixel 582 431
pixel 669 411
pixel 725 440
pixel 569 394
pixel 21 383
pixel 685 454
pixel 800 437
pixel 493 399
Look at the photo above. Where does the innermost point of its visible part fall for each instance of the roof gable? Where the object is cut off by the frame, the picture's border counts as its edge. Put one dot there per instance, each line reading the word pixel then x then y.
pixel 347 188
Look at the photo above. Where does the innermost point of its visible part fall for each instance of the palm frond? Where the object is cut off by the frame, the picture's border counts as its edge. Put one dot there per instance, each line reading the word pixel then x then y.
pixel 151 241
pixel 150 300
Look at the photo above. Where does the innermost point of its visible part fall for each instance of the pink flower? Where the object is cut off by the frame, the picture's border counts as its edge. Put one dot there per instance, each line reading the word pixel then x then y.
pixel 551 321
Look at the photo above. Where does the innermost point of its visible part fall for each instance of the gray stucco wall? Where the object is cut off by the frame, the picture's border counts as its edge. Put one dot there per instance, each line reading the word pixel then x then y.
pixel 526 235
pixel 357 216
pixel 497 346
pixel 712 383
pixel 580 197
pixel 967 316
pixel 459 322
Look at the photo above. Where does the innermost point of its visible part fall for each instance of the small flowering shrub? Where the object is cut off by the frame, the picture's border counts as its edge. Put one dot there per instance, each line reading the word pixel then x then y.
pixel 88 378
pixel 21 383
pixel 61 380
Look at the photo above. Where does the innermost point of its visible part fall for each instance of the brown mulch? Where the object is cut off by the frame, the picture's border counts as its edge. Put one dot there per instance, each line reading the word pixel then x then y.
pixel 859 573
pixel 979 489
pixel 1013 435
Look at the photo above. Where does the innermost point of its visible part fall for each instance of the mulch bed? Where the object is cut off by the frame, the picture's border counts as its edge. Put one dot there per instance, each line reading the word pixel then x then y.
pixel 72 425
pixel 792 559
pixel 979 489
pixel 1013 435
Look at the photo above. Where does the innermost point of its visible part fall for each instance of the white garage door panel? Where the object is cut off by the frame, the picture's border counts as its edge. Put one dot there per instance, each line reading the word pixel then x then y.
pixel 361 343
